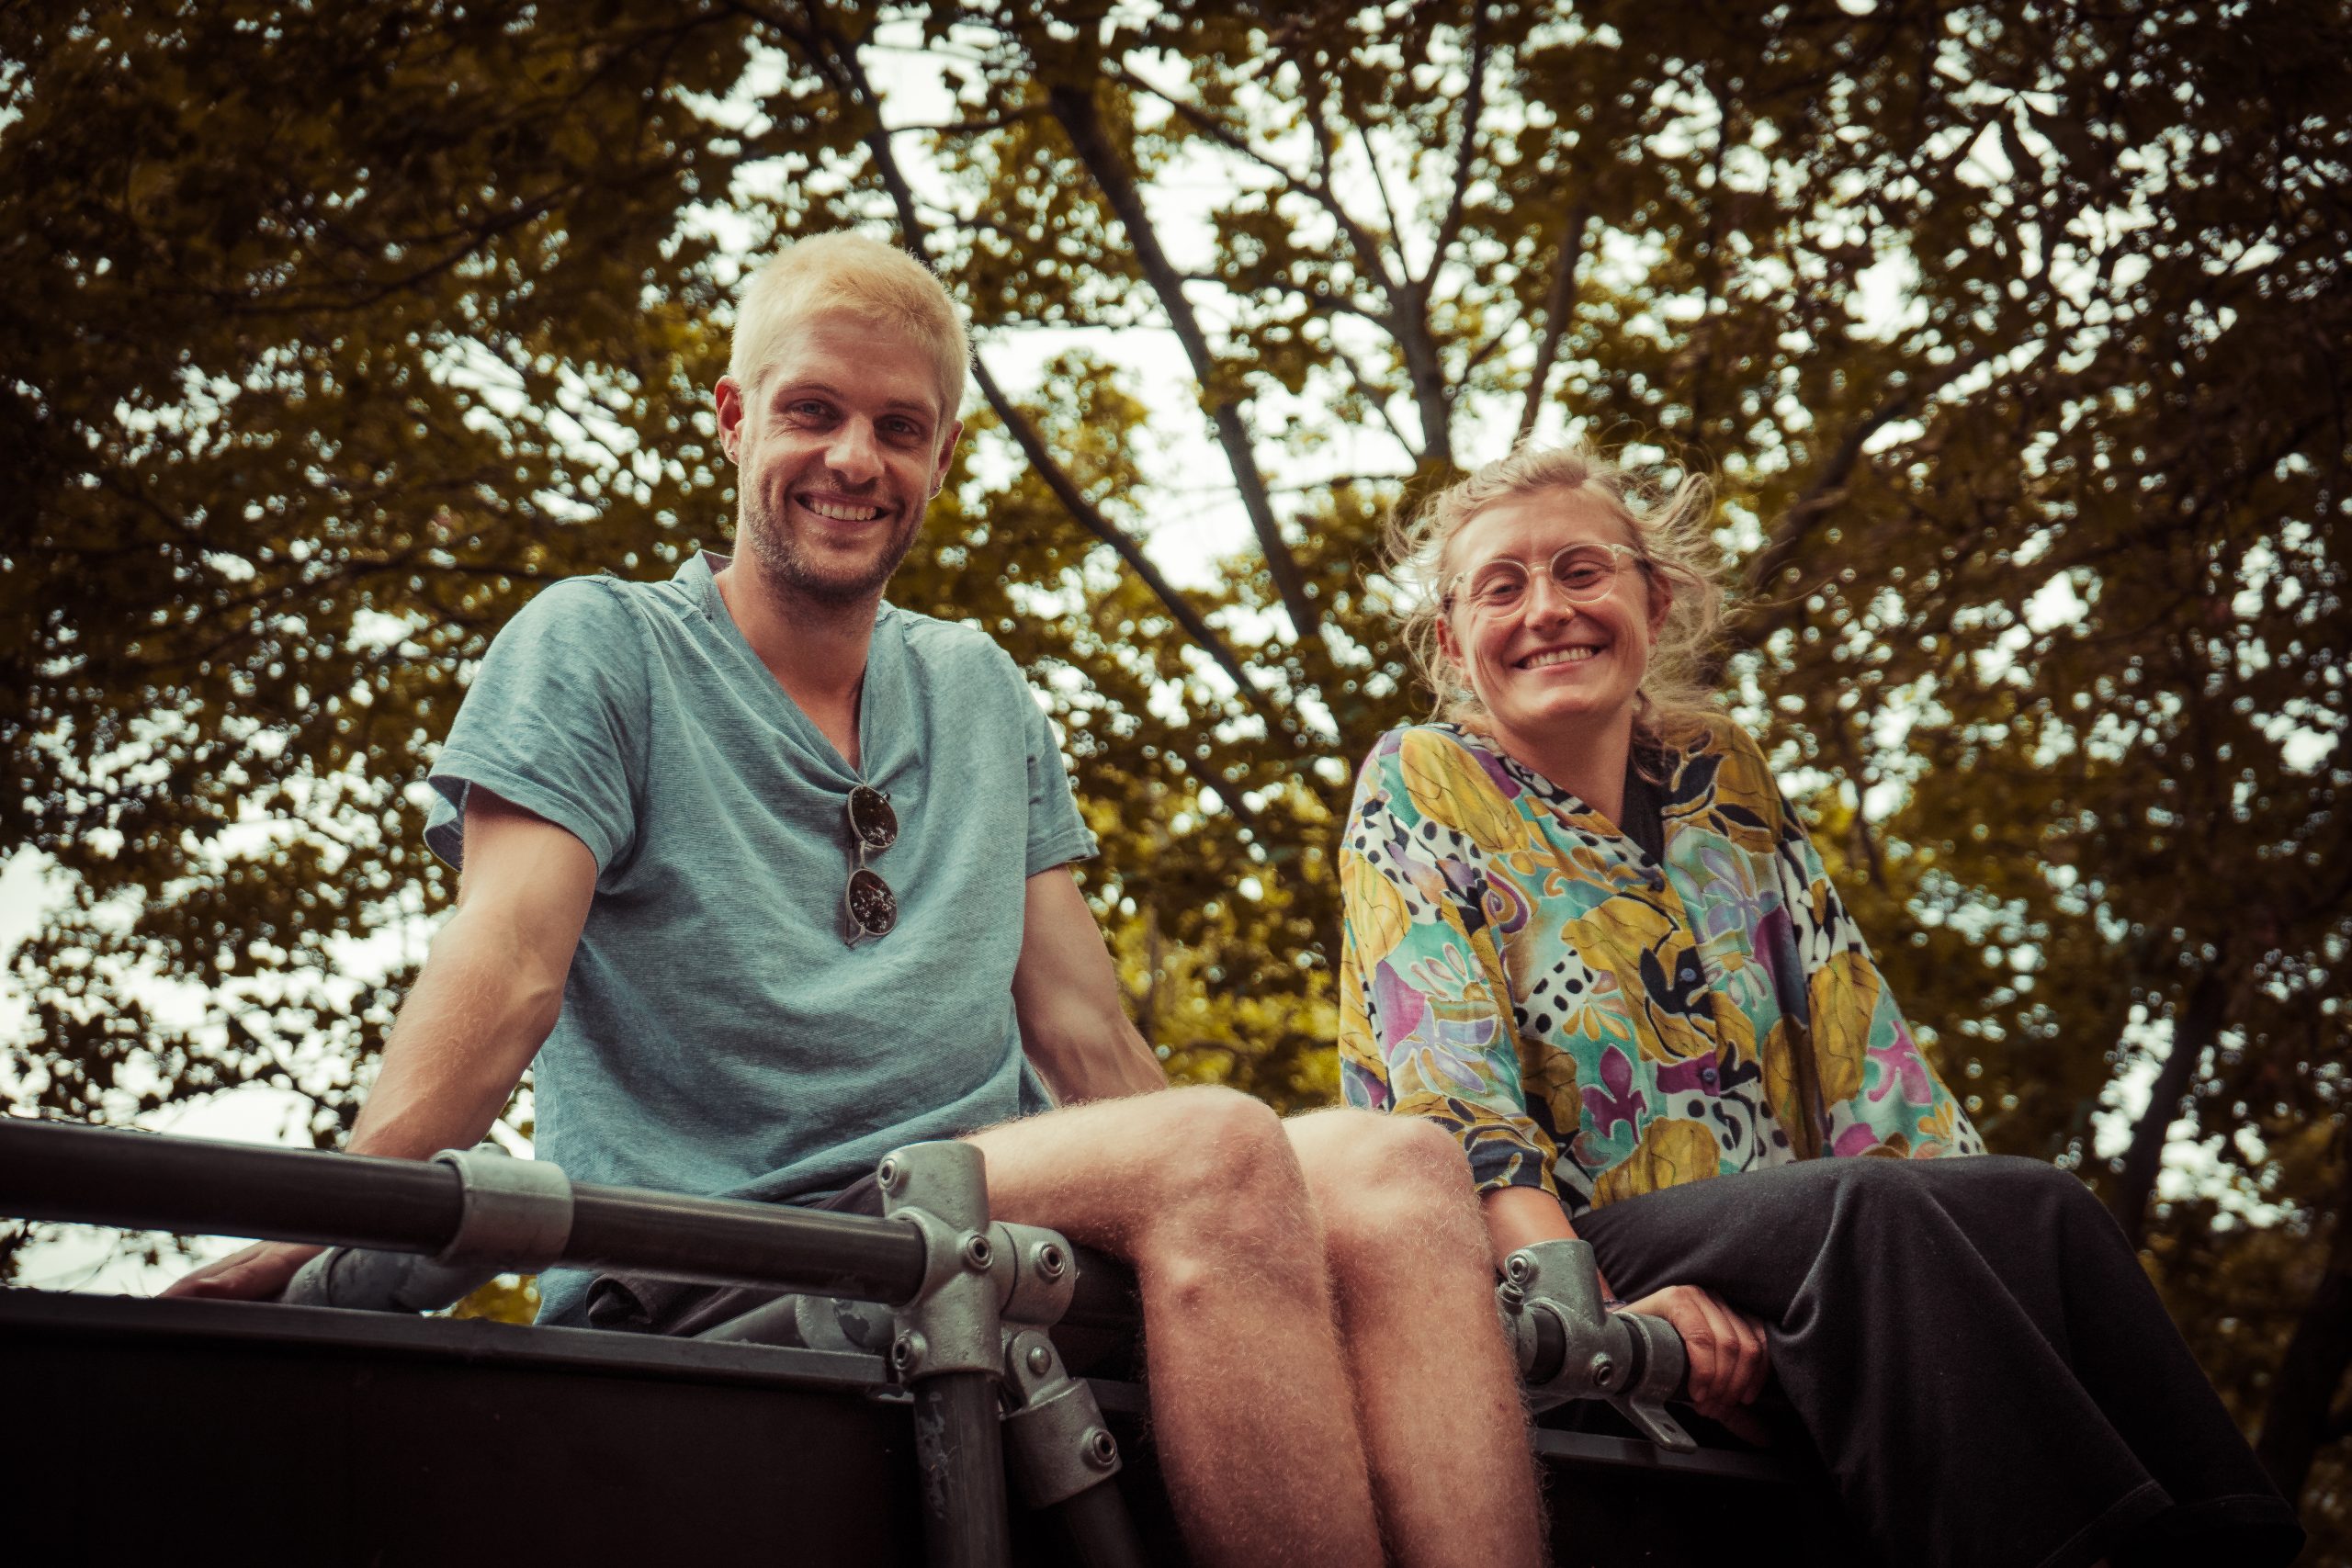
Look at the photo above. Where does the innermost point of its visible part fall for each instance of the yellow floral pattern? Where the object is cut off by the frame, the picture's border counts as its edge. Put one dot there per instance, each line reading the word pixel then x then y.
pixel 1598 1024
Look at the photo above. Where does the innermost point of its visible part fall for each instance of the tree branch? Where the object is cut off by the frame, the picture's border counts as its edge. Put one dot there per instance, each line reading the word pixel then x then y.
pixel 1361 242
pixel 1559 309
pixel 1074 108
pixel 2194 1028
pixel 1474 105
pixel 851 75
pixel 1380 184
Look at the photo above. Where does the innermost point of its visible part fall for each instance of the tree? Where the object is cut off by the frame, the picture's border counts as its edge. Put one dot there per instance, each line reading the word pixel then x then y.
pixel 2011 332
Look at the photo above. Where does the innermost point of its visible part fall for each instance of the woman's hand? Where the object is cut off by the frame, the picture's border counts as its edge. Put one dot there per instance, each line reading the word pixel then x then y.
pixel 1724 1346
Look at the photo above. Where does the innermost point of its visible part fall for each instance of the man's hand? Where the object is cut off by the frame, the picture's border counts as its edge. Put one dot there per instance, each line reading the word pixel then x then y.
pixel 259 1273
pixel 1724 1346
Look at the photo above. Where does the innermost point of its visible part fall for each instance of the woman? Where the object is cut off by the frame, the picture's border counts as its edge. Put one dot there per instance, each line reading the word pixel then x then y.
pixel 1586 935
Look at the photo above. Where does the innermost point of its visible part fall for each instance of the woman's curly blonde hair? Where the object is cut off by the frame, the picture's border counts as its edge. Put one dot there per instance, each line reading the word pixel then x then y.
pixel 1669 527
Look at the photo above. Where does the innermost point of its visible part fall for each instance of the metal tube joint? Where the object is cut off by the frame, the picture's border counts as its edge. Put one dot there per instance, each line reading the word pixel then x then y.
pixel 517 1214
pixel 951 1324
pixel 1568 1346
pixel 1056 1443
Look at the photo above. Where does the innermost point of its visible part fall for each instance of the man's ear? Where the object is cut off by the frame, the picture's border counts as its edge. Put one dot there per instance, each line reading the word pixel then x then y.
pixel 1661 605
pixel 729 397
pixel 946 456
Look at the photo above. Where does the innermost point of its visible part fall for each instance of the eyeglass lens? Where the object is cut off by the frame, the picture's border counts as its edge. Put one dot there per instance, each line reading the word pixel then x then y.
pixel 1581 572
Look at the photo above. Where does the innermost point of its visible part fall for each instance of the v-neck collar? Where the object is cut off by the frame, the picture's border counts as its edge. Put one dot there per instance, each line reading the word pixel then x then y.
pixel 888 740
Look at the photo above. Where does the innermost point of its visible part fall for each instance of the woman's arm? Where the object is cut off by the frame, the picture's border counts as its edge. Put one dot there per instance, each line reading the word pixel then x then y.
pixel 1726 1348
pixel 1520 1216
pixel 1426 1029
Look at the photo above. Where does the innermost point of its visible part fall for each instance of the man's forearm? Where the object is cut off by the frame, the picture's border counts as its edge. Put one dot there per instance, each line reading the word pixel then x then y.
pixel 479 1012
pixel 1105 1064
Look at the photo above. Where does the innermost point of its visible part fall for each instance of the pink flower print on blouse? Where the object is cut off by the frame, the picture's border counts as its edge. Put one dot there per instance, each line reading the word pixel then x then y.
pixel 1615 1099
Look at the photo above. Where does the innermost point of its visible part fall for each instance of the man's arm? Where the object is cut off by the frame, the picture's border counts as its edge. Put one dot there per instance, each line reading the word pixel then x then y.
pixel 1073 1026
pixel 490 990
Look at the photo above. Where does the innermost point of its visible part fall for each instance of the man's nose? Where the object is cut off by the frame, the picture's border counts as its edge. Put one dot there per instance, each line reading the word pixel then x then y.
pixel 854 455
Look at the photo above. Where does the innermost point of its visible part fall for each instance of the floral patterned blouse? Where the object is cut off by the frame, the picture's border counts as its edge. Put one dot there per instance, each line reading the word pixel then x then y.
pixel 1598 1024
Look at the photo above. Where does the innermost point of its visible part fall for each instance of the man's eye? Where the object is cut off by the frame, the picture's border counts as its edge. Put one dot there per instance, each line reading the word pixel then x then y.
pixel 1577 579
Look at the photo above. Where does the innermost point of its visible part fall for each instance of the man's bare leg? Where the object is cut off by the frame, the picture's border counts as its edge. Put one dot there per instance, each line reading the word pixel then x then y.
pixel 1456 1476
pixel 1252 1414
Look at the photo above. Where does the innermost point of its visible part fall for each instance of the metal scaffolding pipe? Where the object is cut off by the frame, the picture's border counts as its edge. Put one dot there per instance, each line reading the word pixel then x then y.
pixel 107 1175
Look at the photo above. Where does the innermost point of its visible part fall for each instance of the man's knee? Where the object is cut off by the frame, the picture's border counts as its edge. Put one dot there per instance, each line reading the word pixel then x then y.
pixel 1208 1151
pixel 1388 1184
pixel 1218 1195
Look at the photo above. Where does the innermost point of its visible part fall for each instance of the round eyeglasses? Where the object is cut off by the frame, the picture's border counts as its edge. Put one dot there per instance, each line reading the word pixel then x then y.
pixel 1583 573
pixel 868 907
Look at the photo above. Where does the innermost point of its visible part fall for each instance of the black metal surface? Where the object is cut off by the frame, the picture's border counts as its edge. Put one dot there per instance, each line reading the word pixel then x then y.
pixel 196 1327
pixel 1105 1296
pixel 728 1241
pixel 1096 1528
pixel 323 1436
pixel 960 1452
pixel 129 1442
pixel 107 1175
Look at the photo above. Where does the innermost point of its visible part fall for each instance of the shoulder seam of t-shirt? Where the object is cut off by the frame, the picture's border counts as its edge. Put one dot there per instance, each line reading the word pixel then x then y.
pixel 474 767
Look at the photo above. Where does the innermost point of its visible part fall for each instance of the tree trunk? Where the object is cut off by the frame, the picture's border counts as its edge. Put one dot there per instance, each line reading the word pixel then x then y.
pixel 2300 1417
pixel 2194 1029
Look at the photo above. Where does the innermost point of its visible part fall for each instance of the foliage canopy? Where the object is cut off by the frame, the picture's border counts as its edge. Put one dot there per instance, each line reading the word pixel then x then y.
pixel 2012 331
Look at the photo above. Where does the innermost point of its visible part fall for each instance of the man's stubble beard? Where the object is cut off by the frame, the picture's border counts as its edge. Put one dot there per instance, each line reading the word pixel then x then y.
pixel 777 560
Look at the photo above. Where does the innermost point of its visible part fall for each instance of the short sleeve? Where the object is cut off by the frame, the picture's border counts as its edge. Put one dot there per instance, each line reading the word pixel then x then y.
pixel 1425 1011
pixel 554 722
pixel 1057 835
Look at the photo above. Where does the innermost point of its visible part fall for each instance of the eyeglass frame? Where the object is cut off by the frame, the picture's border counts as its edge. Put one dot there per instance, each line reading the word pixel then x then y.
pixel 1617 554
pixel 854 930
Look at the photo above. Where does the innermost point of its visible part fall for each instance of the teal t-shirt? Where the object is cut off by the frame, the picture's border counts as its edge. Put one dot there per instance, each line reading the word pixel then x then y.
pixel 718 1035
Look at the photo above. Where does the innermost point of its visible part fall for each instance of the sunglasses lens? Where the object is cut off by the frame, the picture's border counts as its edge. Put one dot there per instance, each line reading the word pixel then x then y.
pixel 871 818
pixel 873 908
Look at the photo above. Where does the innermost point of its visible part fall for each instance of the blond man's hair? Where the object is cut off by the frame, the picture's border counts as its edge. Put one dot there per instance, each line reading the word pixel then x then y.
pixel 1668 527
pixel 852 271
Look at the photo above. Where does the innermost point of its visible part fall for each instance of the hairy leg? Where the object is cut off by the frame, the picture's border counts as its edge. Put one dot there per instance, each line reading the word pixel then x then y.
pixel 1437 1396
pixel 1200 1190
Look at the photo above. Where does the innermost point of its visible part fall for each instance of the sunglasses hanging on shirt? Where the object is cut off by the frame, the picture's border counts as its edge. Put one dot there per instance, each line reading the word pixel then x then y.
pixel 868 907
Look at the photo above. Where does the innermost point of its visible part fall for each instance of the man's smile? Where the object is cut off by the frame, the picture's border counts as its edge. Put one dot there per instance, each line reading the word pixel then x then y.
pixel 841 511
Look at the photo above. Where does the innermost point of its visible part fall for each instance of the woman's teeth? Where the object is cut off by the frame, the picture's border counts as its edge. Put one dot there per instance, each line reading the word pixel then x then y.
pixel 1557 656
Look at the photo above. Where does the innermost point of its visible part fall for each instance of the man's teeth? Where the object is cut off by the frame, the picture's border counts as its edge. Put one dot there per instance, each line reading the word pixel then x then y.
pixel 1557 656
pixel 841 513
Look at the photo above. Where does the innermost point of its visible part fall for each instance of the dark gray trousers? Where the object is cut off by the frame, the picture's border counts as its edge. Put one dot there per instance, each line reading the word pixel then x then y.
pixel 1975 1353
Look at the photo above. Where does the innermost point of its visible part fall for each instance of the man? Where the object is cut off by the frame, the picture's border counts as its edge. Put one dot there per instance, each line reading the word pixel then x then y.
pixel 777 873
